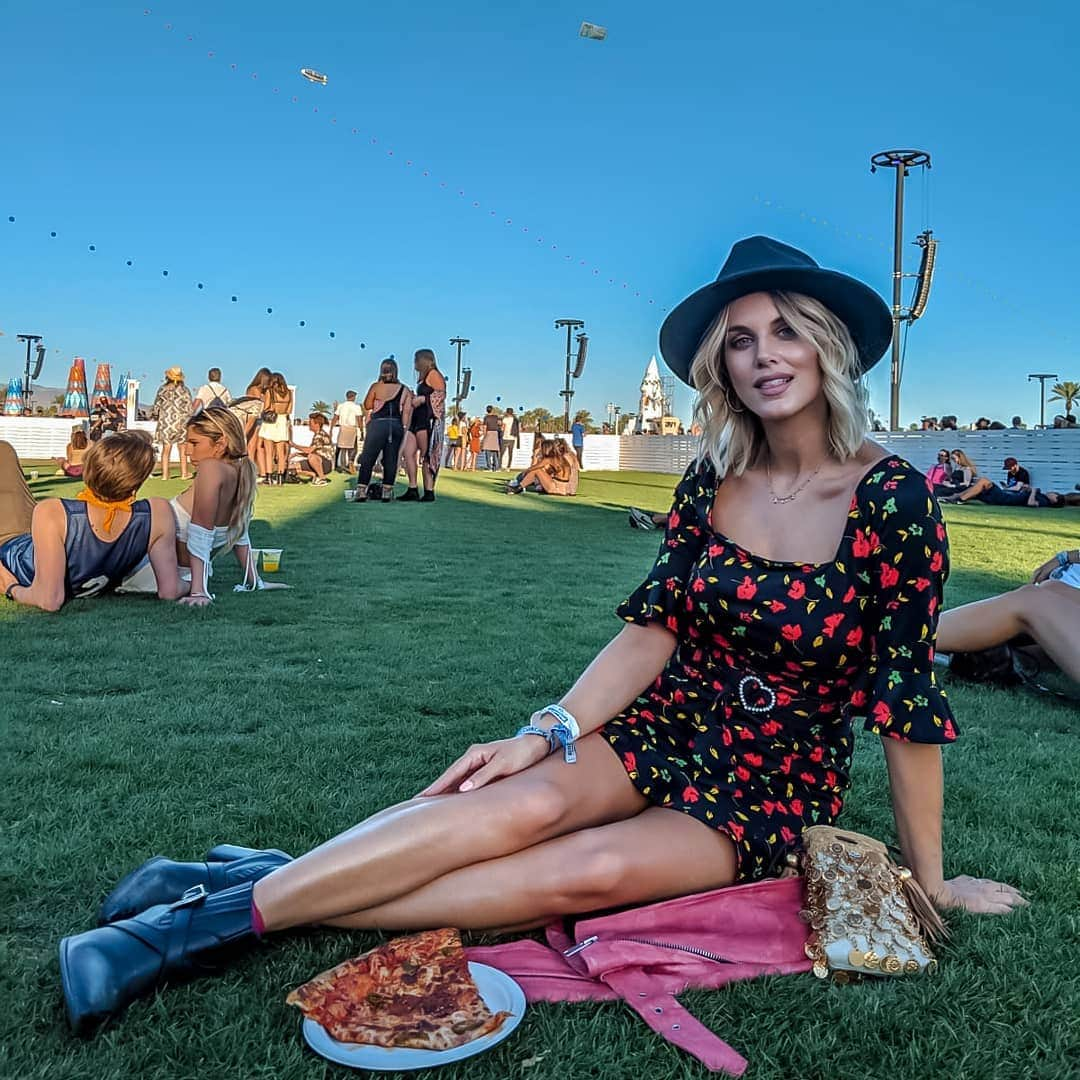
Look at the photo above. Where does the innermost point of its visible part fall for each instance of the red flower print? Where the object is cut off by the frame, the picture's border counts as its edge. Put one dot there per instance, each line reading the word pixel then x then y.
pixel 890 485
pixel 922 584
pixel 808 778
pixel 771 727
pixel 698 584
pixel 832 622
pixel 678 697
pixel 932 607
pixel 715 550
pixel 849 595
pixel 854 637
pixel 836 806
pixel 735 829
pixel 673 519
pixel 746 734
pixel 830 779
pixel 937 560
pixel 746 616
pixel 753 759
pixel 785 765
pixel 629 760
pixel 866 543
pixel 768 806
pixel 672 624
pixel 950 730
pixel 882 714
pixel 940 531
pixel 791 631
pixel 690 795
pixel 783 698
pixel 858 699
pixel 787 834
pixel 742 772
pixel 775 606
pixel 725 737
pixel 817 754
pixel 796 807
pixel 889 576
pixel 747 590
pixel 797 590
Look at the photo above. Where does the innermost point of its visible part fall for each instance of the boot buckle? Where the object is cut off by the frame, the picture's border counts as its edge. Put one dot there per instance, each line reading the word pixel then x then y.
pixel 195 895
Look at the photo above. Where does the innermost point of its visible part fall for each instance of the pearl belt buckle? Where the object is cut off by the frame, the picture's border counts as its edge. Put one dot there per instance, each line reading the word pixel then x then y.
pixel 766 690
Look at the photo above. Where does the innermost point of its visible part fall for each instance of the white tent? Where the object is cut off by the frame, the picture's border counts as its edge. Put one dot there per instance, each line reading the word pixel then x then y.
pixel 651 403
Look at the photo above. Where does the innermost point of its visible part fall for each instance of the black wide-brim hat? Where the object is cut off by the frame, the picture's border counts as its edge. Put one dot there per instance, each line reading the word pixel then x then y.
pixel 762 264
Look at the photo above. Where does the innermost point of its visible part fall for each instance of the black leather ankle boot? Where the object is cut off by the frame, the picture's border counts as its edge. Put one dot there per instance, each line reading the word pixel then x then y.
pixel 106 969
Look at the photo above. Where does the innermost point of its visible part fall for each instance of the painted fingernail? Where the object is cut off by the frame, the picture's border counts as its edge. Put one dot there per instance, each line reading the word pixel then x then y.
pixel 467 786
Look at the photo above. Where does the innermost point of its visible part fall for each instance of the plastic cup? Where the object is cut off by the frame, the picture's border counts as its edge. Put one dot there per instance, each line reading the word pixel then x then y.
pixel 33 474
pixel 350 494
pixel 271 560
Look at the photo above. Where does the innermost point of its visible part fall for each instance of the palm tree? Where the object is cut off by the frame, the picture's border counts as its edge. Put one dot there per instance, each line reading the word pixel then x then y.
pixel 321 407
pixel 1067 392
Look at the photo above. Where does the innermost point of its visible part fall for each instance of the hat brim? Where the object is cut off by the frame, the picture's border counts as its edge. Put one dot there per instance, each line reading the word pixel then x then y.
pixel 859 307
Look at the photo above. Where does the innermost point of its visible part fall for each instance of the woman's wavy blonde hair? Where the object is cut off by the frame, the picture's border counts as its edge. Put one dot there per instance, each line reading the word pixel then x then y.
pixel 219 424
pixel 732 439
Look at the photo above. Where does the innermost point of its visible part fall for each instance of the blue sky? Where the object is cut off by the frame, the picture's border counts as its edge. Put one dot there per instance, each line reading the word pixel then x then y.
pixel 644 156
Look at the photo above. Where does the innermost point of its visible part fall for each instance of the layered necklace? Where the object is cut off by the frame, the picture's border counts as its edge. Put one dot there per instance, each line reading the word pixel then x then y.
pixel 791 495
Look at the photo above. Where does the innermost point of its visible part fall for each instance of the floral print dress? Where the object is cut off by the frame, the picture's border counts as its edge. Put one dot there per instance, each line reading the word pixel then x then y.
pixel 749 726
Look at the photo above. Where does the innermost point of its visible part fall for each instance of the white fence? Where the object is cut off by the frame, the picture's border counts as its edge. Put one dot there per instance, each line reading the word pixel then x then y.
pixel 1052 456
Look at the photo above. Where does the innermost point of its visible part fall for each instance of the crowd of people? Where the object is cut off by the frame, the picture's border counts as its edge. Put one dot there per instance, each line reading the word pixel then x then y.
pixel 984 423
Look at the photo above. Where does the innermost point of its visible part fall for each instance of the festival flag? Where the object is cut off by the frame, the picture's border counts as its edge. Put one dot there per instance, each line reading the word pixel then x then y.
pixel 75 403
pixel 13 402
pixel 103 382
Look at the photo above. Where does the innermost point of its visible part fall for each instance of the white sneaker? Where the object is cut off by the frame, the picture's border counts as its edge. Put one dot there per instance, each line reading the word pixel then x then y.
pixel 639 519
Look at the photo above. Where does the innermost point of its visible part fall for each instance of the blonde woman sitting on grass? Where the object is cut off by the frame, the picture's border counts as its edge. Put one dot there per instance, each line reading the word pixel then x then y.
pixel 554 471
pixel 212 516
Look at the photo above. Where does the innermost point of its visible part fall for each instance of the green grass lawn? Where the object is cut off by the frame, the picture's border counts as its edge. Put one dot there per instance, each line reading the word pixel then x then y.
pixel 132 727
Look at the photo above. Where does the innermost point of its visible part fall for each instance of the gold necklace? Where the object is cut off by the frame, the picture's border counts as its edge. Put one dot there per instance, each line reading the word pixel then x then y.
pixel 778 499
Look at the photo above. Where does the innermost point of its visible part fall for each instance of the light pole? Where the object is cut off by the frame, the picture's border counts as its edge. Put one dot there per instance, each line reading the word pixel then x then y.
pixel 459 342
pixel 901 161
pixel 567 393
pixel 32 371
pixel 1042 395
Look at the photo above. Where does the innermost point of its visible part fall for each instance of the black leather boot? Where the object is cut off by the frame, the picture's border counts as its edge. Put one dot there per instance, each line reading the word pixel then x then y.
pixel 162 881
pixel 411 495
pixel 104 970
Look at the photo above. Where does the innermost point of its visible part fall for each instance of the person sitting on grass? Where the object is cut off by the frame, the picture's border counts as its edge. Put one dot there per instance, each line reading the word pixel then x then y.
pixel 212 516
pixel 1016 491
pixel 71 464
pixel 795 596
pixel 318 456
pixel 554 471
pixel 1047 610
pixel 66 549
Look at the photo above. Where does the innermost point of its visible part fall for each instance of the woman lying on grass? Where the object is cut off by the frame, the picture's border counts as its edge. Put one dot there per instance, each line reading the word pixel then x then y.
pixel 62 549
pixel 212 516
pixel 1047 609
pixel 795 595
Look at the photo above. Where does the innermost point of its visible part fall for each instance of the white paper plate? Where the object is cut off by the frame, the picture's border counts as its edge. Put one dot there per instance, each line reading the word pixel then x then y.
pixel 500 994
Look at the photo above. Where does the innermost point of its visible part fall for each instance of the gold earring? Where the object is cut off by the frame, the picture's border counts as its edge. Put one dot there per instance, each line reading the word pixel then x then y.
pixel 727 398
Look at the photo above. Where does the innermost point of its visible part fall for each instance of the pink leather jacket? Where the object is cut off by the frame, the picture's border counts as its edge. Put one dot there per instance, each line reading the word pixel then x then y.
pixel 646 956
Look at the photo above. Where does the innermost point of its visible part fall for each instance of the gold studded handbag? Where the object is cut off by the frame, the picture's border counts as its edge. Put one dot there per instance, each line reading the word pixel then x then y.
pixel 867 915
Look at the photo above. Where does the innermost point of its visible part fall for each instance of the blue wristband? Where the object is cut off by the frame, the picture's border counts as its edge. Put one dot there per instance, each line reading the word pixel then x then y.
pixel 1063 560
pixel 556 736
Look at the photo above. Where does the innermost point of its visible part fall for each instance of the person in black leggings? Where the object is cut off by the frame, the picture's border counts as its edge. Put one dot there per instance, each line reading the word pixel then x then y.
pixel 388 407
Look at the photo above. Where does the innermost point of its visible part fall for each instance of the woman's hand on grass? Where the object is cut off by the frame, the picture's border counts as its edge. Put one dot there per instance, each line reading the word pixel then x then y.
pixel 979 896
pixel 481 764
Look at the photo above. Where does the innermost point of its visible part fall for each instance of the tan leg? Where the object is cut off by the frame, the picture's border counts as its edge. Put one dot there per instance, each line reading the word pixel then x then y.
pixel 408 457
pixel 16 500
pixel 1049 612
pixel 405 847
pixel 655 855
pixel 166 460
pixel 979 486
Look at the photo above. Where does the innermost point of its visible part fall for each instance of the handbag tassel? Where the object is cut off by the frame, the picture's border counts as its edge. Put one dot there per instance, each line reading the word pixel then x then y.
pixel 922 907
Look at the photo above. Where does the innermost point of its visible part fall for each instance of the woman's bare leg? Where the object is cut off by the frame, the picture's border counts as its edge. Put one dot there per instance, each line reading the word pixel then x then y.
pixel 405 847
pixel 422 438
pixel 408 457
pixel 166 460
pixel 977 488
pixel 657 854
pixel 1049 612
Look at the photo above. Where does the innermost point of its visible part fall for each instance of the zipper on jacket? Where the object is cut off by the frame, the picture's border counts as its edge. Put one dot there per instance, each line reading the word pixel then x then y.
pixel 693 949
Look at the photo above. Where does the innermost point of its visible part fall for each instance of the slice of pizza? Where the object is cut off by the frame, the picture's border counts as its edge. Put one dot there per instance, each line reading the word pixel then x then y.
pixel 413 991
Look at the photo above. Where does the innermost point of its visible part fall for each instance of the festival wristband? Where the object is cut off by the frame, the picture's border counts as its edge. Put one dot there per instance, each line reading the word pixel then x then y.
pixel 566 718
pixel 1063 560
pixel 556 736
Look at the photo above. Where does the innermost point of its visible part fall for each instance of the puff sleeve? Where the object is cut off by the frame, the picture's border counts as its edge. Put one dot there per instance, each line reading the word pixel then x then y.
pixel 904 552
pixel 661 597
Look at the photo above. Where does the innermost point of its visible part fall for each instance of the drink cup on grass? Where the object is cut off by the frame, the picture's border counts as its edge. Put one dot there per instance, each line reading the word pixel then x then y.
pixel 33 474
pixel 271 560
pixel 350 494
